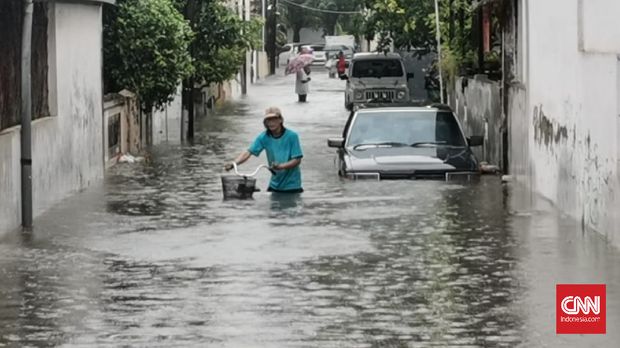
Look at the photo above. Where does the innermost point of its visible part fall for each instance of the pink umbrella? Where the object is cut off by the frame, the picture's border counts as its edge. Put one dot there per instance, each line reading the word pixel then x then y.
pixel 299 62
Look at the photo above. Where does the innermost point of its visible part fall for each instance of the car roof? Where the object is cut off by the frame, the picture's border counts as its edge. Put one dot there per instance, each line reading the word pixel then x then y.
pixel 375 55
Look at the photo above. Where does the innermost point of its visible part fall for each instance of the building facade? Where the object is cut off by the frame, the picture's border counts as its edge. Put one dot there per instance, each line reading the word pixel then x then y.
pixel 67 143
pixel 563 106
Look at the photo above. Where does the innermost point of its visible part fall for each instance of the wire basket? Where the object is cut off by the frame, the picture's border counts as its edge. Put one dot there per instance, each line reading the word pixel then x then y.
pixel 238 187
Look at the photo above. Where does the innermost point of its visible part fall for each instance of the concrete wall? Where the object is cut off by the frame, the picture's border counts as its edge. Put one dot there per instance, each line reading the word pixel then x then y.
pixel 67 147
pixel 262 64
pixel 571 116
pixel 167 122
pixel 10 180
pixel 478 106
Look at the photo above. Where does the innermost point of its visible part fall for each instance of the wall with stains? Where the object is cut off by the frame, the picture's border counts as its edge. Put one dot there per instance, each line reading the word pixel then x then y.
pixel 570 119
pixel 477 104
pixel 67 147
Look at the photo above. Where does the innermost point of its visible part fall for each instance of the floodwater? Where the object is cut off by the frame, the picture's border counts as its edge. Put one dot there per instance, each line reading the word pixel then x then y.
pixel 153 257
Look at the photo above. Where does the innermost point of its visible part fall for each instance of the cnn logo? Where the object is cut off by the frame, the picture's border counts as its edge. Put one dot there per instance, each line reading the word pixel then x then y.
pixel 580 308
pixel 575 304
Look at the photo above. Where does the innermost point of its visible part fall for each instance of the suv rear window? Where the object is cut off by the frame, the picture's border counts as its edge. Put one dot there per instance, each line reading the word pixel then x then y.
pixel 378 68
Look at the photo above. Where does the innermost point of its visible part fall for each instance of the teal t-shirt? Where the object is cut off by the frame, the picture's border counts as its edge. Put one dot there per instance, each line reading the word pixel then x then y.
pixel 280 150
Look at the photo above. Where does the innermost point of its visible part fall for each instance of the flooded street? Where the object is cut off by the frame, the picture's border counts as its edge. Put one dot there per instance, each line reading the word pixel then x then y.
pixel 153 257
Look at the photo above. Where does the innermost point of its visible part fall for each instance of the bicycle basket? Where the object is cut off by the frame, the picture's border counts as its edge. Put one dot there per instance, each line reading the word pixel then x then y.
pixel 238 187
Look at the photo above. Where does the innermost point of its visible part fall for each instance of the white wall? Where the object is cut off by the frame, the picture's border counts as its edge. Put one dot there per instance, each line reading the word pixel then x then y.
pixel 10 180
pixel 67 147
pixel 599 29
pixel 167 122
pixel 571 117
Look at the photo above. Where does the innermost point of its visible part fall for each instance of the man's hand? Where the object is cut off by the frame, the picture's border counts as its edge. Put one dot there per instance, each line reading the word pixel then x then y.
pixel 228 166
pixel 275 166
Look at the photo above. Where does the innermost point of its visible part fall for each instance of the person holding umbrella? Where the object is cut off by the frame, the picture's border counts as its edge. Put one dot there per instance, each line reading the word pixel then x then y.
pixel 301 84
pixel 300 65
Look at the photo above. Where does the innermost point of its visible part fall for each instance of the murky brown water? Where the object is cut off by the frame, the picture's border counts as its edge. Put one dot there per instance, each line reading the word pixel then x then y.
pixel 155 257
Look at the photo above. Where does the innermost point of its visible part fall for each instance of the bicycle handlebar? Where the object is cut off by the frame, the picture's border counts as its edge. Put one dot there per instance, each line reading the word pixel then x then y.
pixel 255 171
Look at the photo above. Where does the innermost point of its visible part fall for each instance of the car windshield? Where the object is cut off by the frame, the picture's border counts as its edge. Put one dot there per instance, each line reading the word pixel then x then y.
pixel 377 68
pixel 405 128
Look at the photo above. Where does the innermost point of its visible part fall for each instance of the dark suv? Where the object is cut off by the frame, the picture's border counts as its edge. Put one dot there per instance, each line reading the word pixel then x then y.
pixel 405 142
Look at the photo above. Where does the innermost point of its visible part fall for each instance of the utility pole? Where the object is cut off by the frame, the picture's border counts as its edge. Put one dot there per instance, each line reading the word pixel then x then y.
pixel 439 51
pixel 26 116
pixel 244 68
pixel 273 24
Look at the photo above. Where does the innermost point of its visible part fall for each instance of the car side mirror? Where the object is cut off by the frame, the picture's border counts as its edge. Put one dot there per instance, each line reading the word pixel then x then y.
pixel 344 77
pixel 335 142
pixel 409 76
pixel 475 140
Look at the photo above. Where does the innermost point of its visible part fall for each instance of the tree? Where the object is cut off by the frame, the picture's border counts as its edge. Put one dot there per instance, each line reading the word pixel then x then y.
pixel 219 46
pixel 411 24
pixel 330 17
pixel 146 50
pixel 295 17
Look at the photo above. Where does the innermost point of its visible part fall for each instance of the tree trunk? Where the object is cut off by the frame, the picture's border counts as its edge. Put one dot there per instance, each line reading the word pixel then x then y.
pixel 451 22
pixel 296 34
pixel 190 110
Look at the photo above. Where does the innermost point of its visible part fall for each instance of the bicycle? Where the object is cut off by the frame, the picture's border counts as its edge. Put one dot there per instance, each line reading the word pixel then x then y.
pixel 240 185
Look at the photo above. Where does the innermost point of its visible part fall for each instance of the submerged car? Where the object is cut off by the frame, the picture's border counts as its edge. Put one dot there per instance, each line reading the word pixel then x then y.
pixel 407 142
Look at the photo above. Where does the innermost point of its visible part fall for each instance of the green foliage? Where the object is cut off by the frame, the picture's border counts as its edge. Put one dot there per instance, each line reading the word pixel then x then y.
pixel 412 24
pixel 146 50
pixel 295 18
pixel 221 39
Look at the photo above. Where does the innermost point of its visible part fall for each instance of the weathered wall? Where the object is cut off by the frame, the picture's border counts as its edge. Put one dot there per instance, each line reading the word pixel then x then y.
pixel 571 115
pixel 262 65
pixel 167 122
pixel 66 147
pixel 10 179
pixel 478 106
pixel 519 135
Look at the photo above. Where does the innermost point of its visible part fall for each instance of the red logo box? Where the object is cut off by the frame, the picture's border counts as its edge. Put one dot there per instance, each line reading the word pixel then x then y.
pixel 580 308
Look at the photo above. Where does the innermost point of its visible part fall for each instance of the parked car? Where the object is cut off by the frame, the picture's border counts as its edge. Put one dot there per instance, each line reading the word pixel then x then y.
pixel 289 51
pixel 376 76
pixel 318 51
pixel 405 142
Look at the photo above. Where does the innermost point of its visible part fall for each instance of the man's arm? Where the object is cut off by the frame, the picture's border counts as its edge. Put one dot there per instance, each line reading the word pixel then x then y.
pixel 244 156
pixel 288 165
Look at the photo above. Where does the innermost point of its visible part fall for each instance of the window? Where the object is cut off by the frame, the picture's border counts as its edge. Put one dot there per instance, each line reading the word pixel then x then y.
pixel 10 61
pixel 406 127
pixel 377 68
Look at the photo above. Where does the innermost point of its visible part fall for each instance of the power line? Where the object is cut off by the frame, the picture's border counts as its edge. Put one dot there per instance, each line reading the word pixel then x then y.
pixel 320 10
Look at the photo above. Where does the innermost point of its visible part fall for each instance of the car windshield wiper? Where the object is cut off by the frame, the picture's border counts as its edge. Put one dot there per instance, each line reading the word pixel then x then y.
pixel 387 143
pixel 422 143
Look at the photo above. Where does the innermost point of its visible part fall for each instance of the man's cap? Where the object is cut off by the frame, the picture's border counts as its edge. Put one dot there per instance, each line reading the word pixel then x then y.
pixel 272 112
